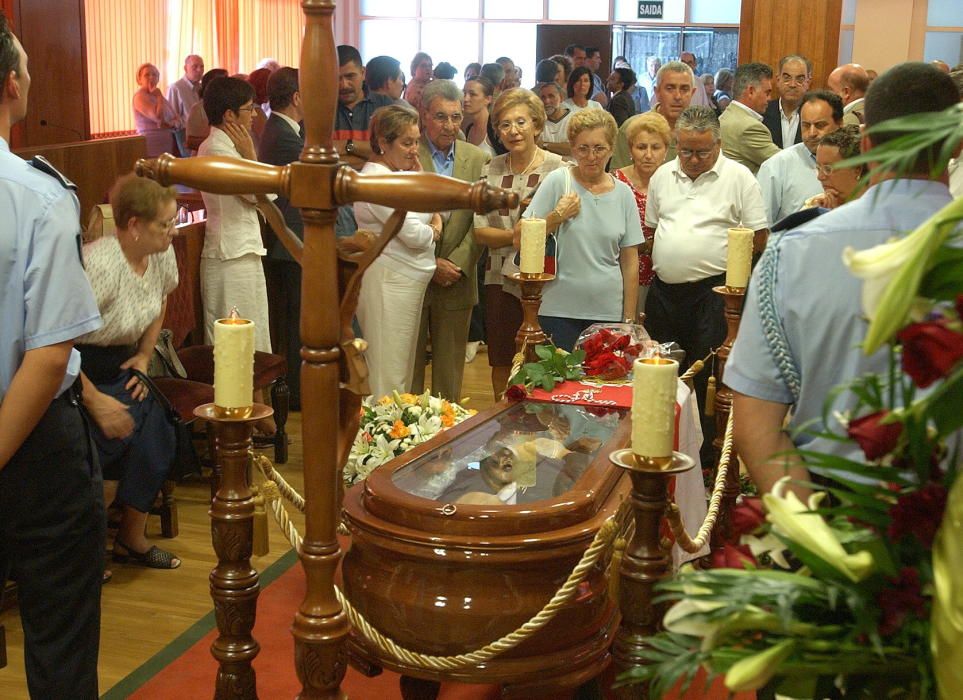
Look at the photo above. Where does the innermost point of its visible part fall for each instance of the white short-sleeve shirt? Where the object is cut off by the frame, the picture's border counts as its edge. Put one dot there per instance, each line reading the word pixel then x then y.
pixel 128 302
pixel 691 217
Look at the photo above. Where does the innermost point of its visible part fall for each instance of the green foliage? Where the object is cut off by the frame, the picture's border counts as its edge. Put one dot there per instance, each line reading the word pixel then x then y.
pixel 553 366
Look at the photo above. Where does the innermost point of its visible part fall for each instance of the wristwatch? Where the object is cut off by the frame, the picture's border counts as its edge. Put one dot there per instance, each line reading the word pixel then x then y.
pixel 349 147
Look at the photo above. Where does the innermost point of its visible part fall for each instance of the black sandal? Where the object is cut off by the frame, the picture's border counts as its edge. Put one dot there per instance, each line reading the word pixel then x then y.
pixel 153 558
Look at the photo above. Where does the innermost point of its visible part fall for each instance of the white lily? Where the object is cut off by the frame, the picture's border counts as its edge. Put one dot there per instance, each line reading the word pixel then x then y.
pixel 681 617
pixel 753 672
pixel 791 518
pixel 892 273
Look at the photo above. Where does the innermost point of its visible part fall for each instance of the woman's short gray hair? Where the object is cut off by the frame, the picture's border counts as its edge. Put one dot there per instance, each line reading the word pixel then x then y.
pixel 699 118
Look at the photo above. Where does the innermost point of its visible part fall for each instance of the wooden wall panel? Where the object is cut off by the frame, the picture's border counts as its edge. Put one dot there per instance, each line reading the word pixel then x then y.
pixel 52 32
pixel 770 29
pixel 92 165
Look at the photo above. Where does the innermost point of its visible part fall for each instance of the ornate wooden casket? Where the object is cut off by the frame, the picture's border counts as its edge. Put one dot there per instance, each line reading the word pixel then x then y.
pixel 461 540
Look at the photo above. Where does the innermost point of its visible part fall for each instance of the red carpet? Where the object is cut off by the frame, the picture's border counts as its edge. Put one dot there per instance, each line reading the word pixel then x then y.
pixel 192 673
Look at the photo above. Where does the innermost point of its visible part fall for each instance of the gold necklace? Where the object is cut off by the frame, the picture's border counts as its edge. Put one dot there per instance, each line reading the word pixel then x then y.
pixel 525 169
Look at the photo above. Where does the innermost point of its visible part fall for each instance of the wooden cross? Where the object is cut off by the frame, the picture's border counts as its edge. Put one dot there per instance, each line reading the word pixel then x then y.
pixel 333 376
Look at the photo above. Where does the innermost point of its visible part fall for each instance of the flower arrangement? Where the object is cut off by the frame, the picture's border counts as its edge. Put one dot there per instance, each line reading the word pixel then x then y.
pixel 609 355
pixel 393 425
pixel 865 597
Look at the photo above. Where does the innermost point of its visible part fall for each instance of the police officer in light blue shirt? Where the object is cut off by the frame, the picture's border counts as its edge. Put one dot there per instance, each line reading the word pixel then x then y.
pixel 51 495
pixel 803 323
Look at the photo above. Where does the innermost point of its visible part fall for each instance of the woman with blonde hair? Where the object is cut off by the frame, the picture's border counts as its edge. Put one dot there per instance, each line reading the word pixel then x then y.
pixel 393 289
pixel 154 117
pixel 599 232
pixel 648 136
pixel 518 117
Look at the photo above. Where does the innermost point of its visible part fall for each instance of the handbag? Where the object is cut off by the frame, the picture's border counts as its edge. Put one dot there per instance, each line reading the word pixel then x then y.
pixel 185 460
pixel 164 361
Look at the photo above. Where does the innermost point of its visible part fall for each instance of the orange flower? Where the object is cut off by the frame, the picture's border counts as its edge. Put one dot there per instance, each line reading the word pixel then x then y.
pixel 399 430
pixel 447 420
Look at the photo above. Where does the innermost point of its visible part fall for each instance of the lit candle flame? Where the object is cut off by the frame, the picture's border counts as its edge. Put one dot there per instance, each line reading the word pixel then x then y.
pixel 234 315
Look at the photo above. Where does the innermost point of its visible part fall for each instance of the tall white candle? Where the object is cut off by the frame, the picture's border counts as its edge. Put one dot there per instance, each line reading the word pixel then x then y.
pixel 739 259
pixel 234 365
pixel 533 247
pixel 653 406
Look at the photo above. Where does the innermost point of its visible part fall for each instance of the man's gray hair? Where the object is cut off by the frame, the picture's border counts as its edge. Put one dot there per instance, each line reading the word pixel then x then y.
pixel 796 57
pixel 750 74
pixel 699 118
pixel 444 89
pixel 674 67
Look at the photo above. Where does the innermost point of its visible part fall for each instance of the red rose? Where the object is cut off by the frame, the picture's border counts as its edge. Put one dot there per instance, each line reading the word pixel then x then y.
pixel 747 517
pixel 898 601
pixel 876 438
pixel 930 351
pixel 516 392
pixel 918 513
pixel 733 556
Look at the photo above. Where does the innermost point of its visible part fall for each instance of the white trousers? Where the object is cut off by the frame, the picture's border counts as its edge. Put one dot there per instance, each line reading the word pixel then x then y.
pixel 238 282
pixel 389 312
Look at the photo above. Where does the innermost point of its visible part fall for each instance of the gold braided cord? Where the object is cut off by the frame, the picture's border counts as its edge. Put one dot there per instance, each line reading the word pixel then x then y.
pixel 271 474
pixel 674 515
pixel 603 539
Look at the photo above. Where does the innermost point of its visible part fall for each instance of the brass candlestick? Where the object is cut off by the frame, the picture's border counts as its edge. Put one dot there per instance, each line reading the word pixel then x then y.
pixel 530 333
pixel 734 299
pixel 234 582
pixel 646 561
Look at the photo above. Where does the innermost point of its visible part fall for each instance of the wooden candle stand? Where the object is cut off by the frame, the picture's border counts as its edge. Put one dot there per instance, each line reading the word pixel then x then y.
pixel 646 561
pixel 234 582
pixel 530 333
pixel 734 298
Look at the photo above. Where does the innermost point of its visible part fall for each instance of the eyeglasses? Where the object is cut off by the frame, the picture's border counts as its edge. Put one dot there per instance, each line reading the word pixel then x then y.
pixel 442 118
pixel 688 153
pixel 826 170
pixel 246 108
pixel 585 151
pixel 520 124
pixel 169 224
pixel 796 79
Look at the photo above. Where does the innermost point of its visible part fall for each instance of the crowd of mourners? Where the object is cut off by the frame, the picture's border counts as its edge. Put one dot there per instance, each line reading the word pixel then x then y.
pixel 637 175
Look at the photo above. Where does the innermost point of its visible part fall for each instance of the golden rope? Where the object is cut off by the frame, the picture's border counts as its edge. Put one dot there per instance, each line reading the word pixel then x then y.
pixel 603 538
pixel 674 515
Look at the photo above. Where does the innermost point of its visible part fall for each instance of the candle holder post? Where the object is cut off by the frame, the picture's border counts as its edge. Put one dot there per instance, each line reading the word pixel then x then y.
pixel 734 298
pixel 234 582
pixel 530 333
pixel 646 561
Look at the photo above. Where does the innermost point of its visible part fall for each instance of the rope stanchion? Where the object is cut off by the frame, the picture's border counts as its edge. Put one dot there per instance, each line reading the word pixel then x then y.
pixel 674 516
pixel 273 492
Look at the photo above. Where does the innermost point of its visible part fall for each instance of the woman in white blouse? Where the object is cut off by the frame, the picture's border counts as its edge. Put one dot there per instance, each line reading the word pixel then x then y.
pixel 393 289
pixel 580 91
pixel 131 274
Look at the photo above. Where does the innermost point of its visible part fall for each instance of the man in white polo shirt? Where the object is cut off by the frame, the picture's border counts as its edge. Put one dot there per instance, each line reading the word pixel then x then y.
pixel 692 202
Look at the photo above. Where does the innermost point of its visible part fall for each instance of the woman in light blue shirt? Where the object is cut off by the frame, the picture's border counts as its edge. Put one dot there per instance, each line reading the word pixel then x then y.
pixel 598 231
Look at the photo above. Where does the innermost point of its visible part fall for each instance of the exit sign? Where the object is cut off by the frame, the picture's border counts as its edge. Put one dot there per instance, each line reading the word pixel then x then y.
pixel 650 10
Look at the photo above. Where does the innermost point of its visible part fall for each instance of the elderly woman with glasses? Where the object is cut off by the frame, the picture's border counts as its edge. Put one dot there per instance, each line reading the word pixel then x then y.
pixel 597 224
pixel 131 273
pixel 154 117
pixel 518 117
pixel 839 184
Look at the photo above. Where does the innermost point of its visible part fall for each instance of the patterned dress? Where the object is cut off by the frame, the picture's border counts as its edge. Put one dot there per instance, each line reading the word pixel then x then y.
pixel 646 271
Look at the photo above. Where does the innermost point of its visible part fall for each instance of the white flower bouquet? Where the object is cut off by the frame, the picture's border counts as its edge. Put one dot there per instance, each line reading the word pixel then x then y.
pixel 394 424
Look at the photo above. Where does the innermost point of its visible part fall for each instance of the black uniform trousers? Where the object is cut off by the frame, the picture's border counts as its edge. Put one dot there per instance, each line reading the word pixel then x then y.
pixel 52 529
pixel 692 315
